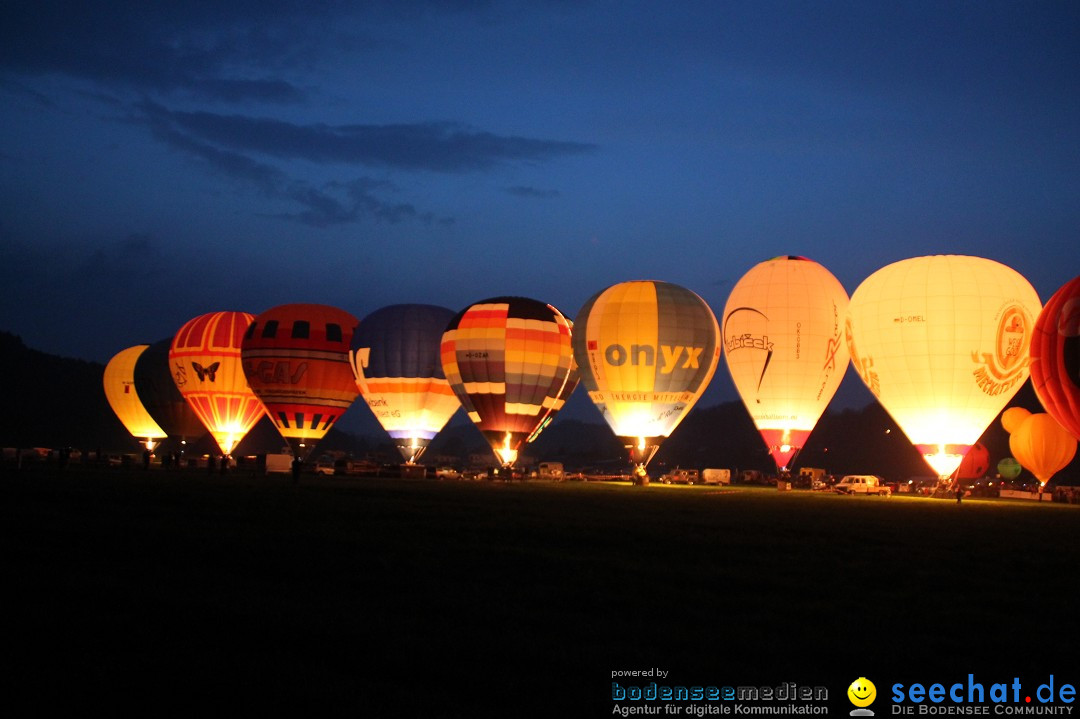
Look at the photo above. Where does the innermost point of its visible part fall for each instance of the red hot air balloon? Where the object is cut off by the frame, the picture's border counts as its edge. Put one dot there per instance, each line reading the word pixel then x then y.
pixel 1055 357
pixel 296 359
pixel 508 359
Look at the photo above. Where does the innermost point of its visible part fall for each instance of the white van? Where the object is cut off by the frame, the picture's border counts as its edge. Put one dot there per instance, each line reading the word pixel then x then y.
pixel 863 484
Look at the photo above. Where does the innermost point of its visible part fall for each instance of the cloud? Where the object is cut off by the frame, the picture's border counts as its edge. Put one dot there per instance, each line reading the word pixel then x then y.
pixel 207 49
pixel 436 146
pixel 521 191
pixel 333 203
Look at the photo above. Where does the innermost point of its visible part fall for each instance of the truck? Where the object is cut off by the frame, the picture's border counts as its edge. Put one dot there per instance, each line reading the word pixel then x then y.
pixel 862 484
pixel 681 476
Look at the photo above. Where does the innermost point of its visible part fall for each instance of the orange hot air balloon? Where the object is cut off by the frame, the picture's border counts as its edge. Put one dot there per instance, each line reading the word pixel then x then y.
pixel 1042 445
pixel 119 380
pixel 1013 417
pixel 1055 357
pixel 206 367
pixel 508 360
pixel 942 342
pixel 783 330
pixel 646 352
pixel 296 359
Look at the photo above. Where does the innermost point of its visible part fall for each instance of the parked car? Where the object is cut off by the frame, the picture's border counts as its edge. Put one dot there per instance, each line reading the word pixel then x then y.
pixel 863 484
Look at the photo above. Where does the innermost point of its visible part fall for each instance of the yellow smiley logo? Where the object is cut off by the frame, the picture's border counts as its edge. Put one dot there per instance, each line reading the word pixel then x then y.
pixel 862 692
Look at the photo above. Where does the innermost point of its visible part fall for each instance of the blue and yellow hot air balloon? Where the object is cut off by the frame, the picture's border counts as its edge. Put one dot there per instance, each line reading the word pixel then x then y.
pixel 397 366
pixel 646 351
pixel 508 360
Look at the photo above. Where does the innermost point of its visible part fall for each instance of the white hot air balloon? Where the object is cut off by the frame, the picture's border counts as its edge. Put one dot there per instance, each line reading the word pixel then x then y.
pixel 783 329
pixel 942 342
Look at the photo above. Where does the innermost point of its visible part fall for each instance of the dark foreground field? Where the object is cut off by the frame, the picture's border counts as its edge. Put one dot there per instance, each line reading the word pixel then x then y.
pixel 424 598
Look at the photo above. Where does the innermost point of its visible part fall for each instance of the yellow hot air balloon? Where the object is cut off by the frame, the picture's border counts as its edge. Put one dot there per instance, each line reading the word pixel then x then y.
pixel 206 366
pixel 120 391
pixel 1042 445
pixel 942 342
pixel 645 351
pixel 1013 417
pixel 783 330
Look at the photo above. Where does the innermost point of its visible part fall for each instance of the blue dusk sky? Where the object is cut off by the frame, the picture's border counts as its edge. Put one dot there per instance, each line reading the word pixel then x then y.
pixel 159 160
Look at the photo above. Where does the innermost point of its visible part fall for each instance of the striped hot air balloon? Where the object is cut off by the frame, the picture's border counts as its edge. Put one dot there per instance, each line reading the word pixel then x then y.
pixel 206 367
pixel 646 351
pixel 296 359
pixel 397 366
pixel 120 391
pixel 508 360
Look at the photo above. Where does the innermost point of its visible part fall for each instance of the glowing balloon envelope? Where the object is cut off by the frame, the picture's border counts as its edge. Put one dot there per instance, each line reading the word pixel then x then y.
pixel 508 360
pixel 206 367
pixel 783 330
pixel 296 359
pixel 397 366
pixel 942 342
pixel 120 391
pixel 1055 357
pixel 646 351
pixel 1042 445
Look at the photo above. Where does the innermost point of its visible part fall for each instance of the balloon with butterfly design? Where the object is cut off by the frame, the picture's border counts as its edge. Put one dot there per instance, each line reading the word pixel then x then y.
pixel 205 362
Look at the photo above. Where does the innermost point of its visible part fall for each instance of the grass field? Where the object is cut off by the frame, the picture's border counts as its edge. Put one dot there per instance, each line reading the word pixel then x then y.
pixel 410 598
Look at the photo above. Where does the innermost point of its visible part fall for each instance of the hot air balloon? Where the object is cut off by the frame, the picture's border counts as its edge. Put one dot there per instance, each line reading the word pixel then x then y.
pixel 395 359
pixel 508 360
pixel 206 367
pixel 1009 468
pixel 646 351
pixel 1042 445
pixel 296 359
pixel 942 342
pixel 1055 357
pixel 121 393
pixel 783 330
pixel 161 397
pixel 975 463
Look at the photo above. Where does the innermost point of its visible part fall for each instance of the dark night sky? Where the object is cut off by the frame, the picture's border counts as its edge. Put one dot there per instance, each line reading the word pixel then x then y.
pixel 162 160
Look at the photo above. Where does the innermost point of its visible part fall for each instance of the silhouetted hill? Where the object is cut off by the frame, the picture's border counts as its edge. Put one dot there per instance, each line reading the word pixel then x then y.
pixel 55 401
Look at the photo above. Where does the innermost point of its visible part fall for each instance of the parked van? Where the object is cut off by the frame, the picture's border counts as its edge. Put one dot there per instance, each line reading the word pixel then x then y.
pixel 863 484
